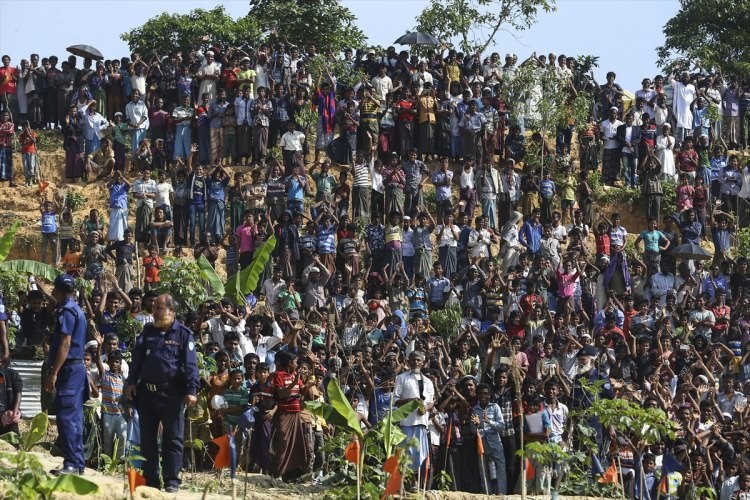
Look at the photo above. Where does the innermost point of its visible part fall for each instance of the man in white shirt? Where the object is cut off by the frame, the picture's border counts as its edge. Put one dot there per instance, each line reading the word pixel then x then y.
pixel 684 95
pixel 382 83
pixel 421 77
pixel 291 148
pixel 271 289
pixel 144 191
pixel 612 148
pixel 136 116
pixel 415 386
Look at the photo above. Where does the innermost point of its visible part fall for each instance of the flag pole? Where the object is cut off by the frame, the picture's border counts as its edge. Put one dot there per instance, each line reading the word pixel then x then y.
pixel 619 472
pixel 359 475
pixel 518 380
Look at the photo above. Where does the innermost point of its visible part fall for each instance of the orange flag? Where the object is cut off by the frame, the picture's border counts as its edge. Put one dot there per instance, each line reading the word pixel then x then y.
pixel 42 186
pixel 610 475
pixel 393 486
pixel 223 456
pixel 135 479
pixel 391 465
pixel 530 471
pixel 480 445
pixel 352 451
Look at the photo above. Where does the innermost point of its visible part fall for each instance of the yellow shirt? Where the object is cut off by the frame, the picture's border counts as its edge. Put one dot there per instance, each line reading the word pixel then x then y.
pixel 426 109
pixel 247 75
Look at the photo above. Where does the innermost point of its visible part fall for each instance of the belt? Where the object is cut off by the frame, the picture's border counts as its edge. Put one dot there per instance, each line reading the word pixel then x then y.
pixel 73 360
pixel 157 386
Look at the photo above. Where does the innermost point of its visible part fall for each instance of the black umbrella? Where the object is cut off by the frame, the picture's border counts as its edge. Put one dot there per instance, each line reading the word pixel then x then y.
pixel 691 251
pixel 86 51
pixel 417 38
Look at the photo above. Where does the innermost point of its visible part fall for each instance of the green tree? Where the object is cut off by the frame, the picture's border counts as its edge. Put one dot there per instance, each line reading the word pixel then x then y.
pixel 325 23
pixel 167 32
pixel 712 31
pixel 476 22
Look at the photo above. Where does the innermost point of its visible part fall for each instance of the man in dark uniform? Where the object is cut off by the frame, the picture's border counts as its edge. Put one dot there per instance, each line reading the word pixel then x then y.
pixel 164 377
pixel 67 375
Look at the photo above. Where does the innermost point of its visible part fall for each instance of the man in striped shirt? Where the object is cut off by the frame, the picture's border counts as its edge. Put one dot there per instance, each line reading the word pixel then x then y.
pixel 114 426
pixel 361 187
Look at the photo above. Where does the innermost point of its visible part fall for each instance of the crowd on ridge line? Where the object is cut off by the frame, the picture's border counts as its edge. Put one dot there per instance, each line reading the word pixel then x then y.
pixel 662 330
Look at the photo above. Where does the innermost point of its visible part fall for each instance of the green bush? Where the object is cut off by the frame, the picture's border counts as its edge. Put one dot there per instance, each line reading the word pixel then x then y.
pixel 182 280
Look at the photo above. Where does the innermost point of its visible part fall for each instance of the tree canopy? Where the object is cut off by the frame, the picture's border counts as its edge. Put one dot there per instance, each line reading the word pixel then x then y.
pixel 325 23
pixel 712 31
pixel 167 32
pixel 476 22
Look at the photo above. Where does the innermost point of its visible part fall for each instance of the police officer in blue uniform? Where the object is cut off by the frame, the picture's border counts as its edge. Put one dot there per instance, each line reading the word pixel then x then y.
pixel 163 379
pixel 68 374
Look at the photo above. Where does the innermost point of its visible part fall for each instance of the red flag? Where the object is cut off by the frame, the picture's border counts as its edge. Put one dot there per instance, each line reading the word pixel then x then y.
pixel 135 479
pixel 223 456
pixel 450 434
pixel 610 475
pixel 530 471
pixel 391 465
pixel 480 445
pixel 393 486
pixel 352 451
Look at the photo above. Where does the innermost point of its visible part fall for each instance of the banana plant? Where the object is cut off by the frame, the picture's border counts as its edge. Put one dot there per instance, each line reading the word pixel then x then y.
pixel 246 281
pixel 340 414
pixel 31 267
pixel 209 274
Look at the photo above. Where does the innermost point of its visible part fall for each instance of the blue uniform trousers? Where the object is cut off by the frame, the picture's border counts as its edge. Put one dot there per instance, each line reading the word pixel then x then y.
pixel 168 408
pixel 72 391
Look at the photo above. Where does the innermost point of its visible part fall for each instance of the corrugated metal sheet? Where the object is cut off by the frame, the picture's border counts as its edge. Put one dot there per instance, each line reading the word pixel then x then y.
pixel 31 374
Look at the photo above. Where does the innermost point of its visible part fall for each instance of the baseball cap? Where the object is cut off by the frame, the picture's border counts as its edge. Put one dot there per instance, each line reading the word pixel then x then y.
pixel 65 283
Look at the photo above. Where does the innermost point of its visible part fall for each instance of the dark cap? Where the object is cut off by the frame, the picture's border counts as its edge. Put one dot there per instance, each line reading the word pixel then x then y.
pixel 587 350
pixel 65 283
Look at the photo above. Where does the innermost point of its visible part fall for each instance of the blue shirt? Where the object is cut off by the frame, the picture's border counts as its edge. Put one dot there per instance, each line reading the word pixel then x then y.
pixel 49 223
pixel 327 239
pixel 216 189
pixel 118 195
pixel 721 239
pixel 437 288
pixel 530 236
pixel 160 357
pixel 651 240
pixel 71 322
pixel 547 188
pixel 217 110
pixel 296 189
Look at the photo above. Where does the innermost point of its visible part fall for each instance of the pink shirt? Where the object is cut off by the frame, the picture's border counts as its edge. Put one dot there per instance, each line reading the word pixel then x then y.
pixel 566 284
pixel 246 237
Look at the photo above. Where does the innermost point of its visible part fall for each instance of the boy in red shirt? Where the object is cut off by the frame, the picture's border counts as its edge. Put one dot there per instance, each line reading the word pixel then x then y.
pixel 152 263
pixel 28 151
pixel 601 236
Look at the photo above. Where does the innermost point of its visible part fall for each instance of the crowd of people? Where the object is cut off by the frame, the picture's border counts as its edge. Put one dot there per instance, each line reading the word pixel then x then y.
pixel 549 298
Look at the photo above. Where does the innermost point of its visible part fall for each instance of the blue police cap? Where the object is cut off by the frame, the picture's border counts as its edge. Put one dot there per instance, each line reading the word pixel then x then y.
pixel 587 350
pixel 65 283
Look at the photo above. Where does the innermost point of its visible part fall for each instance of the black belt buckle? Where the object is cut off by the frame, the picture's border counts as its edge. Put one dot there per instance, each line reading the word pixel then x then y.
pixel 152 387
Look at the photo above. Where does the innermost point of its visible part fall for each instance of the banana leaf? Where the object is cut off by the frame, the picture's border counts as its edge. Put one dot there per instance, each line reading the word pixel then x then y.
pixel 392 434
pixel 6 241
pixel 44 271
pixel 339 412
pixel 209 274
pixel 68 483
pixel 248 277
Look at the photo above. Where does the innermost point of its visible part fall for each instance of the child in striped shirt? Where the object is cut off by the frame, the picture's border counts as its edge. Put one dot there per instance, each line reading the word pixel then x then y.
pixel 114 426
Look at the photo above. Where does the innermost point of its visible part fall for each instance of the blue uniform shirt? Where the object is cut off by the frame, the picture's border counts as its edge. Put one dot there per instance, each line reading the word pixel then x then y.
pixel 160 357
pixel 70 321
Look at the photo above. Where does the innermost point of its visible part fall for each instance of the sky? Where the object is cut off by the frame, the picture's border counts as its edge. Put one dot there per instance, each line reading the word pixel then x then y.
pixel 623 33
